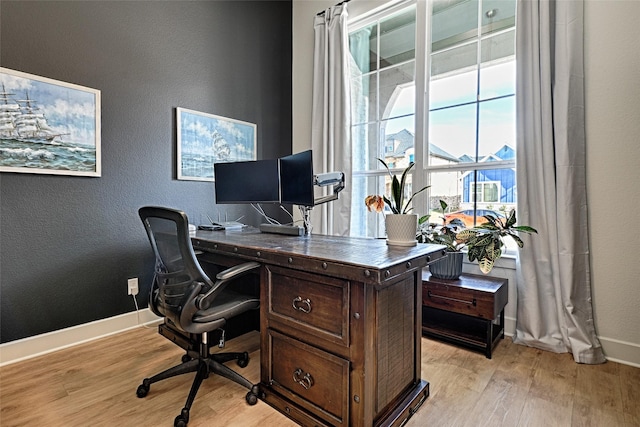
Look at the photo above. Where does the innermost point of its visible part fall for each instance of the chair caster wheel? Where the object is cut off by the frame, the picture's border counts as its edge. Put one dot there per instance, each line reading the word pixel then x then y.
pixel 142 390
pixel 182 419
pixel 186 358
pixel 252 395
pixel 244 360
pixel 252 398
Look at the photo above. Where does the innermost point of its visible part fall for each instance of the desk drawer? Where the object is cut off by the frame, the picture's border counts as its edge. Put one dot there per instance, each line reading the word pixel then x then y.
pixel 310 377
pixel 312 304
pixel 459 300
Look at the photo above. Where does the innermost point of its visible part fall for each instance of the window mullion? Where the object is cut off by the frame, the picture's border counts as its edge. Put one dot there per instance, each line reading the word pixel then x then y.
pixel 421 109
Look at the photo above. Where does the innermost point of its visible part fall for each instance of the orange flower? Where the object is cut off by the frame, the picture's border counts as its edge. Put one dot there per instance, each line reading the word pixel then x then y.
pixel 374 202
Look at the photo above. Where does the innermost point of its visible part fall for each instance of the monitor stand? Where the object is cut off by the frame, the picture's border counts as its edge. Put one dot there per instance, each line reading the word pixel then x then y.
pixel 291 230
pixel 306 219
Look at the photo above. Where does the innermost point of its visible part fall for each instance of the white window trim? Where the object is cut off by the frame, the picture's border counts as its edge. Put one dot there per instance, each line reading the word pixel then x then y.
pixel 359 22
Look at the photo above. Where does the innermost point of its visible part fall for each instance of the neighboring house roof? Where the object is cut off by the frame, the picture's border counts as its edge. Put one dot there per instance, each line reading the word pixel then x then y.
pixel 439 152
pixel 490 158
pixel 405 142
pixel 505 153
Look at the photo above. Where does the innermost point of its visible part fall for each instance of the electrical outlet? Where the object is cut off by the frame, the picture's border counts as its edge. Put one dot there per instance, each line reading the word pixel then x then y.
pixel 132 286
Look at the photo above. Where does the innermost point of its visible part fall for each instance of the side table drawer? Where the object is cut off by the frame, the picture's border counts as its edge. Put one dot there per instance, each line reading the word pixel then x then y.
pixel 472 295
pixel 310 377
pixel 458 300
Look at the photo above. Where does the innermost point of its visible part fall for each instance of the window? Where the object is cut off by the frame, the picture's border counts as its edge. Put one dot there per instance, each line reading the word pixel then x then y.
pixel 485 192
pixel 468 158
pixel 383 118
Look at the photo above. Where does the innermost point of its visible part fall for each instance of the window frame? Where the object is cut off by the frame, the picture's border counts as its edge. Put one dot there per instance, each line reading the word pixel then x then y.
pixel 423 170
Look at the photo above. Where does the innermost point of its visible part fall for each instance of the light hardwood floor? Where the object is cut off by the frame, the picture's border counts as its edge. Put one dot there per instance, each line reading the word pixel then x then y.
pixel 94 384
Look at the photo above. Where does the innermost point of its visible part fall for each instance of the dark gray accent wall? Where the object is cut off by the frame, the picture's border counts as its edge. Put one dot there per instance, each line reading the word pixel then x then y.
pixel 68 244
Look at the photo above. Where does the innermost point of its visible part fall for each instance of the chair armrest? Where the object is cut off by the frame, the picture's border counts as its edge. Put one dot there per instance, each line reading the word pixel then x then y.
pixel 203 301
pixel 237 270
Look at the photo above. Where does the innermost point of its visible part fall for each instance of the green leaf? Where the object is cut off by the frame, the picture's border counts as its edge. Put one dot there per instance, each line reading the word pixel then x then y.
pixel 525 229
pixel 495 253
pixel 486 265
pixel 391 206
pixel 396 194
pixel 411 198
pixel 473 253
pixel 518 240
pixel 403 181
pixel 386 166
pixel 465 235
pixel 482 239
pixel 423 219
pixel 405 172
pixel 511 219
pixel 491 224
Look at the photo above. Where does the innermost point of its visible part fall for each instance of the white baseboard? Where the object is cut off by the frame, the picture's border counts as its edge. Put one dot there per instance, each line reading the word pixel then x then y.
pixel 624 352
pixel 617 351
pixel 509 326
pixel 26 348
pixel 15 351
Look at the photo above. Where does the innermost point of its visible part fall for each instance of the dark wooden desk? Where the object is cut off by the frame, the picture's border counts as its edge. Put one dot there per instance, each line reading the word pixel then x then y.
pixel 340 324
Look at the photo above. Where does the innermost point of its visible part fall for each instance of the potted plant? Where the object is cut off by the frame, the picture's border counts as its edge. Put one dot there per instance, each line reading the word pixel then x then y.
pixel 484 242
pixel 401 225
pixel 452 234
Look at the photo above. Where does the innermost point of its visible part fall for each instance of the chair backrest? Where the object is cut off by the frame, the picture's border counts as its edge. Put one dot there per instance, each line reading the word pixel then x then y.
pixel 178 277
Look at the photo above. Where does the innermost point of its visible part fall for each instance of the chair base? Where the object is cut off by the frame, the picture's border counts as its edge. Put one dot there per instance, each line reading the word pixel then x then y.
pixel 203 366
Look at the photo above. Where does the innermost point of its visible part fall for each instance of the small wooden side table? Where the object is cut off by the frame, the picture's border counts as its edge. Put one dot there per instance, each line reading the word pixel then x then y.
pixel 467 311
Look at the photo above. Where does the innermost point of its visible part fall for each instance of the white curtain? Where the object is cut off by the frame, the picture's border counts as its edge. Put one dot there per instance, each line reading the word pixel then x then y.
pixel 554 309
pixel 331 124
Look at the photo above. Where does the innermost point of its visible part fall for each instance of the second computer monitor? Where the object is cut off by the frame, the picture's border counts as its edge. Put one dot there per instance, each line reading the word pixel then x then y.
pixel 296 179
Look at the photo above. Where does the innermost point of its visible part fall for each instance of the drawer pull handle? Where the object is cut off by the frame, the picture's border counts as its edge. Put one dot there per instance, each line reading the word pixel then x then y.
pixel 473 302
pixel 306 381
pixel 302 305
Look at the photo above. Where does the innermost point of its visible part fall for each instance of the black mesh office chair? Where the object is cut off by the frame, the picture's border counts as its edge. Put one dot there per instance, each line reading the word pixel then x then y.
pixel 192 304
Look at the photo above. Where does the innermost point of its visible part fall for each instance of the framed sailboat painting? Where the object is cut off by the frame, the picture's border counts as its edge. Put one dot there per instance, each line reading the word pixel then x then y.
pixel 48 126
pixel 205 139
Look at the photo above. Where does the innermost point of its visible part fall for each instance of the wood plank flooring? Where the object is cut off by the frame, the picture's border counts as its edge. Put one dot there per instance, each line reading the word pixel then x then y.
pixel 94 384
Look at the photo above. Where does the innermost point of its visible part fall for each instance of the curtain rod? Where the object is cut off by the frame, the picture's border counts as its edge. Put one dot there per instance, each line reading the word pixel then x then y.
pixel 342 2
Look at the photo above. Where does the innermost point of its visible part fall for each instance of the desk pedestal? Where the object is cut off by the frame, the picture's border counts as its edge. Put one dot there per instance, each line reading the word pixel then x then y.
pixel 336 352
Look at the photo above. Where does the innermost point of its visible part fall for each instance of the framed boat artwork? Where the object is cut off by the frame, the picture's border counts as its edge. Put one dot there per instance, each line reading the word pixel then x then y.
pixel 205 139
pixel 48 126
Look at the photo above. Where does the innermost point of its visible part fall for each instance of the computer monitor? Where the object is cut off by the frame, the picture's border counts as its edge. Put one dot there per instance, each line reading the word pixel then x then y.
pixel 255 181
pixel 296 179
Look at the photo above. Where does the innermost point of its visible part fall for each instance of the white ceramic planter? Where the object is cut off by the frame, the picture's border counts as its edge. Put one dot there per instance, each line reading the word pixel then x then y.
pixel 401 229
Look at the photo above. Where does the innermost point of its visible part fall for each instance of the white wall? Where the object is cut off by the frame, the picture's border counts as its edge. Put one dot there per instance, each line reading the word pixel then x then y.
pixel 612 72
pixel 612 59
